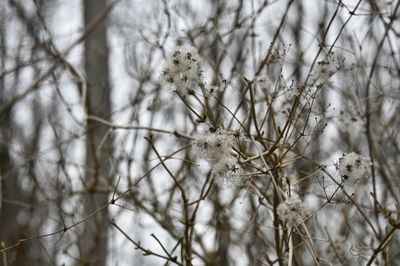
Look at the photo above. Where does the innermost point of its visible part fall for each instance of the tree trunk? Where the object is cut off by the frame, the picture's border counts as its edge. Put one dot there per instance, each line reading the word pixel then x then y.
pixel 20 217
pixel 93 241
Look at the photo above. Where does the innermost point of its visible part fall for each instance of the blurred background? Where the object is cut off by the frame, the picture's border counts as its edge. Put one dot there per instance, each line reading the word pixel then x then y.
pixel 96 164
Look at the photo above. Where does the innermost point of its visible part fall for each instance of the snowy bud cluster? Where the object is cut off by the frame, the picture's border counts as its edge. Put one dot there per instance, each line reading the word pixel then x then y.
pixel 215 145
pixel 293 212
pixel 353 168
pixel 182 69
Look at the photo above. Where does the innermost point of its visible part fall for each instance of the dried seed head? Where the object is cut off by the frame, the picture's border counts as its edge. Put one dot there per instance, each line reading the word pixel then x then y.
pixel 215 146
pixel 353 168
pixel 293 212
pixel 182 69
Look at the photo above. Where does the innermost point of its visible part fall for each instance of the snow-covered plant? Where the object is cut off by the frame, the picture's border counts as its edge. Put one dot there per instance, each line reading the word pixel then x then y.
pixel 293 212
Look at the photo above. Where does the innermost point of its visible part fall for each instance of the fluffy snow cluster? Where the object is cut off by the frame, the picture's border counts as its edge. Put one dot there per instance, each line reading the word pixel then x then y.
pixel 215 145
pixel 293 212
pixel 182 69
pixel 353 168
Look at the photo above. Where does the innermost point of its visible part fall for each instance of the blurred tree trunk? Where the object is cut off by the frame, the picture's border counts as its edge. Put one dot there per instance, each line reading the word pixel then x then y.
pixel 20 216
pixel 93 242
pixel 10 231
